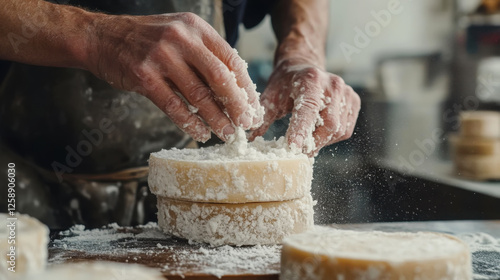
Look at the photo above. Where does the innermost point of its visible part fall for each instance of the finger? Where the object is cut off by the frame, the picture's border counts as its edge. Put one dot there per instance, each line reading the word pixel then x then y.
pixel 331 123
pixel 229 56
pixel 200 96
pixel 222 81
pixel 304 115
pixel 271 113
pixel 351 116
pixel 175 108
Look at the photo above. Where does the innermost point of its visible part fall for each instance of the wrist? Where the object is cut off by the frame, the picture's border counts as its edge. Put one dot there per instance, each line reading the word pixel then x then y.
pixel 82 47
pixel 300 51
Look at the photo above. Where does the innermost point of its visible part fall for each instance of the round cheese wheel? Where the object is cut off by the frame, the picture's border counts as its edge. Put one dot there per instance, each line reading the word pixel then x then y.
pixel 29 239
pixel 477 167
pixel 342 254
pixel 235 224
pixel 218 174
pixel 475 146
pixel 99 271
pixel 484 124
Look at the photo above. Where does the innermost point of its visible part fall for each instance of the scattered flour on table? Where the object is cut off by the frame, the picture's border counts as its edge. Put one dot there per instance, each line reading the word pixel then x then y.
pixel 114 241
pixel 228 260
pixel 101 240
pixel 485 251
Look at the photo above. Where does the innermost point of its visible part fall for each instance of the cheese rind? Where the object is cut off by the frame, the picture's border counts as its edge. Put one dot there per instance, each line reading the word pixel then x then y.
pixel 326 253
pixel 230 181
pixel 235 224
pixel 31 239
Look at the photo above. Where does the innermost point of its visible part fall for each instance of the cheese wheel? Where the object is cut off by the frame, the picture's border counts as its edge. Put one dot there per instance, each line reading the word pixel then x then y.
pixel 235 224
pixel 30 239
pixel 484 124
pixel 99 271
pixel 475 146
pixel 478 167
pixel 342 254
pixel 212 174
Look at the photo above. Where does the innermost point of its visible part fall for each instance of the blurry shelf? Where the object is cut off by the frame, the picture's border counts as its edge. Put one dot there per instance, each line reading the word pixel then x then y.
pixel 442 172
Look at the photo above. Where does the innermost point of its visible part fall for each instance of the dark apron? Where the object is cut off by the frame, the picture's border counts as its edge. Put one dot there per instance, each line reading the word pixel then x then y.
pixel 81 146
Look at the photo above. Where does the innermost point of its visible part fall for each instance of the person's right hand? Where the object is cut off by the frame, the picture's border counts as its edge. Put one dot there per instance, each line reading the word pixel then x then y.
pixel 181 64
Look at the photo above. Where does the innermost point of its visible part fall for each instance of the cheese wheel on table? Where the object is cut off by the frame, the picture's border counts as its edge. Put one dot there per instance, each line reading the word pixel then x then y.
pixel 30 239
pixel 261 171
pixel 235 224
pixel 326 253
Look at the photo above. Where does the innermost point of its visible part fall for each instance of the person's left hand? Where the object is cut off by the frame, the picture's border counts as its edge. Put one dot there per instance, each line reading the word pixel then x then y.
pixel 324 109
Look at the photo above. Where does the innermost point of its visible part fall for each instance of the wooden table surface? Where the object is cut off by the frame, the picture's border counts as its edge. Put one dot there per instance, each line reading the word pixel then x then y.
pixel 177 259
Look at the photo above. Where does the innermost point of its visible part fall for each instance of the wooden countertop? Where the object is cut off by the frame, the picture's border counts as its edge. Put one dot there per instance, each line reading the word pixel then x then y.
pixel 177 259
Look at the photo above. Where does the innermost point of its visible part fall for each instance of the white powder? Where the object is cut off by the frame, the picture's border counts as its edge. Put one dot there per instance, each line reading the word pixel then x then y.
pixel 485 251
pixel 192 109
pixel 238 224
pixel 109 243
pixel 236 149
pixel 118 243
pixel 228 260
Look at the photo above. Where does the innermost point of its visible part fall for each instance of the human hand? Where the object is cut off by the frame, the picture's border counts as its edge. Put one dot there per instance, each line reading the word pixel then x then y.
pixel 181 64
pixel 324 109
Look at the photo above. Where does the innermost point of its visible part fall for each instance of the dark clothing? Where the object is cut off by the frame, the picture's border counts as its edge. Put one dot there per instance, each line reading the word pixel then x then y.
pixel 250 13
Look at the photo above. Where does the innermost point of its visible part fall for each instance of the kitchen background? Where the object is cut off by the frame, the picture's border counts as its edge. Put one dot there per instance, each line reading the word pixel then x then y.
pixel 415 66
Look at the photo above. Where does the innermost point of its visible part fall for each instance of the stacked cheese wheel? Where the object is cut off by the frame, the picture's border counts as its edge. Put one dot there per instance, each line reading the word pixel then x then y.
pixel 476 150
pixel 23 246
pixel 238 193
pixel 342 254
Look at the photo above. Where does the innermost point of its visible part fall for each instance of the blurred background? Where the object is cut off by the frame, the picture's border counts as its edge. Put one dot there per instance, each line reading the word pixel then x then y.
pixel 416 69
pixel 415 155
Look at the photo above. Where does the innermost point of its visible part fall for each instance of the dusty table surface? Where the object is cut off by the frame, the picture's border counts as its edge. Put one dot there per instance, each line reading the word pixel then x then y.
pixel 177 259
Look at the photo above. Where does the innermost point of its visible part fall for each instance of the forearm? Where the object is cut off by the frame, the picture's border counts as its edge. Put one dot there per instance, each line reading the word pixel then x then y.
pixel 41 33
pixel 300 27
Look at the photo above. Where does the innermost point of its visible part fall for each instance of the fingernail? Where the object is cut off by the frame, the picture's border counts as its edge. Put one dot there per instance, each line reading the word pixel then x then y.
pixel 228 130
pixel 246 120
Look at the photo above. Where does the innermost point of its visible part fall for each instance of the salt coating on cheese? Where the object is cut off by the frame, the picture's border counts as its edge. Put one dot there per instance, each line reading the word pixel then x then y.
pixel 326 253
pixel 238 193
pixel 235 224
pixel 237 172
pixel 31 240
pixel 236 149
